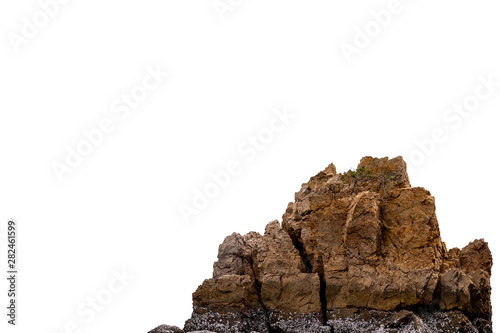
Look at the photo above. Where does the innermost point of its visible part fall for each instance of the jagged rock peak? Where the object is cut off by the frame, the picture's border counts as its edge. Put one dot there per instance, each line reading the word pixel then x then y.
pixel 356 251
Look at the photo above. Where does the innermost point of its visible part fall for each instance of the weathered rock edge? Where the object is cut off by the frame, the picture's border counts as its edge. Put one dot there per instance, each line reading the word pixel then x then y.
pixel 362 246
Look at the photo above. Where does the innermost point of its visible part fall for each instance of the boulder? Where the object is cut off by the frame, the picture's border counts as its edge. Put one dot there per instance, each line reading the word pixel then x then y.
pixel 356 251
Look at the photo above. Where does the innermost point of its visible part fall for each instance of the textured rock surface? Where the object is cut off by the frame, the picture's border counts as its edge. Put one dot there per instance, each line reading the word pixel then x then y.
pixel 262 275
pixel 356 252
pixel 167 329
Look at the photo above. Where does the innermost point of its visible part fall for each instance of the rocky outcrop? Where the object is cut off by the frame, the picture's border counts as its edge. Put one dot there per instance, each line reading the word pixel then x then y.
pixel 356 251
pixel 258 282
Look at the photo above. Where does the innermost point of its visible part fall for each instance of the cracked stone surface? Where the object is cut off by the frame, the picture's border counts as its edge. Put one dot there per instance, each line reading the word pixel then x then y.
pixel 356 252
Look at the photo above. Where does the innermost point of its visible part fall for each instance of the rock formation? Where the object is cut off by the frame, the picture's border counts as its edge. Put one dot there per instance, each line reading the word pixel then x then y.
pixel 359 251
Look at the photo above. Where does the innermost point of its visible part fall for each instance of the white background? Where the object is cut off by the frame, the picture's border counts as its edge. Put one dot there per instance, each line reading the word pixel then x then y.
pixel 120 207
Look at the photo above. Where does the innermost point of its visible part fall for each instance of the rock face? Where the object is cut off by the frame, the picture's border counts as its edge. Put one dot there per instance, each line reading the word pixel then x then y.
pixel 358 251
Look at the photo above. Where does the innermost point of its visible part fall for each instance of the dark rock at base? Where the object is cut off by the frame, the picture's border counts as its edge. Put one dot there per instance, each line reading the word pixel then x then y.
pixel 283 322
pixel 255 321
pixel 229 322
pixel 354 320
pixel 450 322
pixel 167 329
pixel 345 320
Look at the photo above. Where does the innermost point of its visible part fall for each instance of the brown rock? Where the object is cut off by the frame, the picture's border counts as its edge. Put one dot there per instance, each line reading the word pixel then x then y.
pixel 378 247
pixel 364 239
pixel 476 256
pixel 228 293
